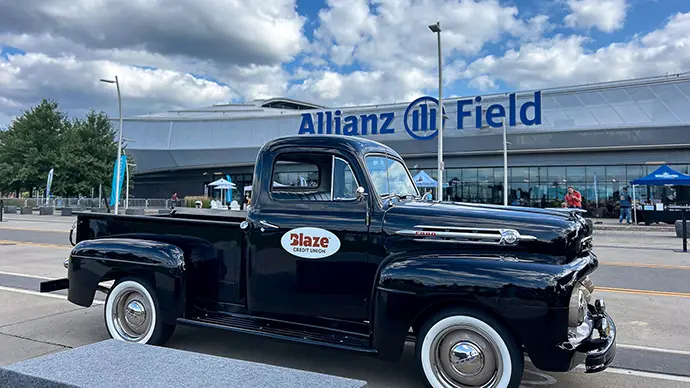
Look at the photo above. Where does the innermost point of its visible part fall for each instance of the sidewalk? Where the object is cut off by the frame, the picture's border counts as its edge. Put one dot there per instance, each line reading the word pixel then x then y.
pixel 612 224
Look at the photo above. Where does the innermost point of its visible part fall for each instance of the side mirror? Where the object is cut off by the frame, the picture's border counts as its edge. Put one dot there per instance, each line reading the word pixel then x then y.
pixel 361 193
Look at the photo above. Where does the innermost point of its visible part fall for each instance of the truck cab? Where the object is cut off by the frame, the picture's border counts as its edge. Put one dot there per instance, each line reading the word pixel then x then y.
pixel 339 249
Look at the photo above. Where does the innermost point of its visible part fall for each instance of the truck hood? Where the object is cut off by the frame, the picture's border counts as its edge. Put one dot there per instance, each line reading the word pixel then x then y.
pixel 413 225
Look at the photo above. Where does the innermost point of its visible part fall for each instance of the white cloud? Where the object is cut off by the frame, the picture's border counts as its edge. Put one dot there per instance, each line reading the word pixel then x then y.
pixel 563 60
pixel 390 41
pixel 606 15
pixel 483 83
pixel 391 32
pixel 25 79
pixel 263 32
pixel 363 51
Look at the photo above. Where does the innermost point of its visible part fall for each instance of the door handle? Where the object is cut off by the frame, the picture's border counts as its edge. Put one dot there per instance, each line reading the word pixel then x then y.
pixel 267 225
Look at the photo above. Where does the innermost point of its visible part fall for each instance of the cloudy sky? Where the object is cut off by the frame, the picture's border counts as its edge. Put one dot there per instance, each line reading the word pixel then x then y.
pixel 189 53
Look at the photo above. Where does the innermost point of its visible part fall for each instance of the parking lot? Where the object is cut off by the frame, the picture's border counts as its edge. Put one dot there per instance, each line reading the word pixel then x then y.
pixel 645 282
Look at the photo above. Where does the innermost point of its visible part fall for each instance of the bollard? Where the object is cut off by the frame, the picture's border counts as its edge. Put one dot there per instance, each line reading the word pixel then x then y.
pixel 685 231
pixel 2 208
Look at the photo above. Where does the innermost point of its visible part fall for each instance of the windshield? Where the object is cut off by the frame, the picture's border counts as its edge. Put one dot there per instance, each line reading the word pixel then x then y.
pixel 390 177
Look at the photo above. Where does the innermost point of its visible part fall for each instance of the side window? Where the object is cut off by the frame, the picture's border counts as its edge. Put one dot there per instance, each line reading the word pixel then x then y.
pixel 317 176
pixel 344 181
pixel 295 174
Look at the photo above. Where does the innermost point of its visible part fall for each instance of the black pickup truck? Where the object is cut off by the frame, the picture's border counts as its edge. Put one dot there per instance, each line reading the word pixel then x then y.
pixel 355 259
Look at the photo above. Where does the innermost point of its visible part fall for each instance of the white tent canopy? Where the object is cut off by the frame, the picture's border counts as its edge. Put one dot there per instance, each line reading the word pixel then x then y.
pixel 223 183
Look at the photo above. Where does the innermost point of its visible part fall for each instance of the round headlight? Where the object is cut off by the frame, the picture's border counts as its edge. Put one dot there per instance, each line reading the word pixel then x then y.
pixel 578 307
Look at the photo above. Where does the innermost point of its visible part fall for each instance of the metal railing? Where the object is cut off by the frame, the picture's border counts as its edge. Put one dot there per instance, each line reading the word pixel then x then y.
pixel 89 203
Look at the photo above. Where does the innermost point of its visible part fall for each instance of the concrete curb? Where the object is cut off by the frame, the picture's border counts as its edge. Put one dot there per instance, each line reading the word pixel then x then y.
pixel 634 228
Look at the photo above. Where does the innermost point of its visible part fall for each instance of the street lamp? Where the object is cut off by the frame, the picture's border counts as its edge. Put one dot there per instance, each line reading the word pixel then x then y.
pixel 436 29
pixel 505 164
pixel 119 143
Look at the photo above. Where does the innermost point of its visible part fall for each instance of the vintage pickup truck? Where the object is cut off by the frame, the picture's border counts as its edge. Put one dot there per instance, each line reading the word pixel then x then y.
pixel 355 259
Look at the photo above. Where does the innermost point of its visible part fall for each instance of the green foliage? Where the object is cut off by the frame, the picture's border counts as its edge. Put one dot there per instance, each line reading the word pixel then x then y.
pixel 81 150
pixel 30 147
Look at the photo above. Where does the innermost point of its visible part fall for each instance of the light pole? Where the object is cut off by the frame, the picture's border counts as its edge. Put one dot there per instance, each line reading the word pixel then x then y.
pixel 505 164
pixel 436 28
pixel 119 143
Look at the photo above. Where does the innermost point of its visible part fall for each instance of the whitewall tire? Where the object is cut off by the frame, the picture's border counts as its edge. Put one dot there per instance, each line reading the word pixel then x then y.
pixel 132 313
pixel 459 348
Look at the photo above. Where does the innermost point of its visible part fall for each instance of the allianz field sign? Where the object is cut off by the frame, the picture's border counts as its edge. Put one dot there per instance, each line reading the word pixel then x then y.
pixel 421 116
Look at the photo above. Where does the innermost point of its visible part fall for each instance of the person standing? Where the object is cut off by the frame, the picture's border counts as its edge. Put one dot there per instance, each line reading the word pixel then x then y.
pixel 428 196
pixel 573 198
pixel 625 203
pixel 173 201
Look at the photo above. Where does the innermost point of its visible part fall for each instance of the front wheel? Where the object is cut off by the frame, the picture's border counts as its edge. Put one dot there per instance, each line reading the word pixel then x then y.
pixel 132 313
pixel 461 349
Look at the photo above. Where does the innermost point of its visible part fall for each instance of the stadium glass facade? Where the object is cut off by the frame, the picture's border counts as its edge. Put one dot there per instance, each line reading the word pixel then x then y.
pixel 596 138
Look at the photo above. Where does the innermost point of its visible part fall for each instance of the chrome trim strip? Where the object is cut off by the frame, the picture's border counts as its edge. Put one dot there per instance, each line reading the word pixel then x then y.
pixel 494 236
pixel 456 228
pixel 480 236
pixel 456 241
pixel 466 232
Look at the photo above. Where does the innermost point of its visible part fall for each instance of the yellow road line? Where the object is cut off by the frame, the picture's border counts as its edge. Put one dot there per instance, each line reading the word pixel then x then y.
pixel 645 265
pixel 36 229
pixel 643 292
pixel 10 242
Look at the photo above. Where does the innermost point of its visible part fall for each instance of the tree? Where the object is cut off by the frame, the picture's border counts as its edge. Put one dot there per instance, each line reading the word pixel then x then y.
pixel 81 150
pixel 88 155
pixel 30 147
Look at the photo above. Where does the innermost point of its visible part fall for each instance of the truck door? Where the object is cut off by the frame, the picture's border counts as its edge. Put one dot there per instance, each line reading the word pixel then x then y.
pixel 309 238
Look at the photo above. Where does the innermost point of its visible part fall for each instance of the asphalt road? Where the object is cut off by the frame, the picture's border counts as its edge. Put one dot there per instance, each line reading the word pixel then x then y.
pixel 646 285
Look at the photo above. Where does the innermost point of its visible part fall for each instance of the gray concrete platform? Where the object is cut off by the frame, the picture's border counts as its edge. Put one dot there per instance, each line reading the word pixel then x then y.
pixel 115 364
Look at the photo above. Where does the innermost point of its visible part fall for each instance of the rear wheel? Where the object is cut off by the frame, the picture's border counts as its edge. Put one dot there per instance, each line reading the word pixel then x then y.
pixel 460 348
pixel 132 313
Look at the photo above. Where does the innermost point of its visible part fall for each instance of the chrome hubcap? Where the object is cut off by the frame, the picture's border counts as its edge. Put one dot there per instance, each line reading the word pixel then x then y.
pixel 131 315
pixel 135 314
pixel 465 357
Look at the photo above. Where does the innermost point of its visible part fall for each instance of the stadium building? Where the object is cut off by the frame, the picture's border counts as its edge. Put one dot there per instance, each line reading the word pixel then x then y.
pixel 594 137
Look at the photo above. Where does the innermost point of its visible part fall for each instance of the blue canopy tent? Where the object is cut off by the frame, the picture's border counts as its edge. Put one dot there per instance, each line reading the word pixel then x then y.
pixel 422 179
pixel 662 176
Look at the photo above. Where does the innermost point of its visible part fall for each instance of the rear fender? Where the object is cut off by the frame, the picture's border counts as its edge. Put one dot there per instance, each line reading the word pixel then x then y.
pixel 162 265
pixel 528 297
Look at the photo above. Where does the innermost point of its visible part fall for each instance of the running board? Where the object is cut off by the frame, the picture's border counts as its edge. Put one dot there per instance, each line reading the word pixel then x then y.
pixel 282 330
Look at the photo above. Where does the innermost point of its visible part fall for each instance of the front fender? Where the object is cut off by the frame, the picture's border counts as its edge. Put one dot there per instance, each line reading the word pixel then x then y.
pixel 527 295
pixel 162 265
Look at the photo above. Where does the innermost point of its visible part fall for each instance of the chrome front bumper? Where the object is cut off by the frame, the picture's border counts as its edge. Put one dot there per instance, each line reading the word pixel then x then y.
pixel 595 337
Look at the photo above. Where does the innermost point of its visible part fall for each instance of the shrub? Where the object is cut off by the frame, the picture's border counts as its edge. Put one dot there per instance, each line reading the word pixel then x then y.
pixel 191 200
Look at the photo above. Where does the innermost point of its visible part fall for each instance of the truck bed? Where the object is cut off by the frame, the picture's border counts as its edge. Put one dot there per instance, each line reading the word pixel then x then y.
pixel 207 214
pixel 212 242
pixel 177 213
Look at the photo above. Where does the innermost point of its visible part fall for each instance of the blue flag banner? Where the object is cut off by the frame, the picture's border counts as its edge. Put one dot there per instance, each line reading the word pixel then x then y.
pixel 123 165
pixel 49 183
pixel 228 193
